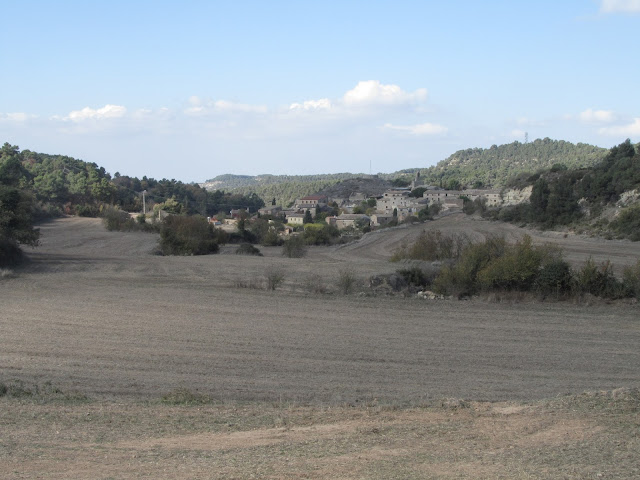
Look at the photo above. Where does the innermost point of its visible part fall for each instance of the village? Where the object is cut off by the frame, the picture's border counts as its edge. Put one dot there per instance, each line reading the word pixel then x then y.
pixel 361 211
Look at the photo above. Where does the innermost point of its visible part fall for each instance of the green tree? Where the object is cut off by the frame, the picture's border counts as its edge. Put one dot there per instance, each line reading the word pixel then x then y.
pixel 307 217
pixel 16 207
pixel 539 199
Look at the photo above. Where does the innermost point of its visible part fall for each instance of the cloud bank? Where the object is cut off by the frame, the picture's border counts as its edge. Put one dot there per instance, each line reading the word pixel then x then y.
pixel 620 6
pixel 630 130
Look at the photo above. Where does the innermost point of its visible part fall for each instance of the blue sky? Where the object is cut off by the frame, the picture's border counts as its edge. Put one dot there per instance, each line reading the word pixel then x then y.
pixel 192 89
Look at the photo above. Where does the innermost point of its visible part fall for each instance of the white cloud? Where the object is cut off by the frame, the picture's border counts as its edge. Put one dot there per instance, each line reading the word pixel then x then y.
pixel 372 92
pixel 420 129
pixel 597 116
pixel 518 133
pixel 322 104
pixel 87 113
pixel 205 107
pixel 17 117
pixel 620 6
pixel 528 122
pixel 631 130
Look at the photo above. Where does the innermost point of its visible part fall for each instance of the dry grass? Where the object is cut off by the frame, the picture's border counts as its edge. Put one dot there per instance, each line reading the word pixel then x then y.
pixel 592 435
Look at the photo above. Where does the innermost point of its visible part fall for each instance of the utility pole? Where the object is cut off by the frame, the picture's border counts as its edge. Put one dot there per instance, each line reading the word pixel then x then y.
pixel 144 203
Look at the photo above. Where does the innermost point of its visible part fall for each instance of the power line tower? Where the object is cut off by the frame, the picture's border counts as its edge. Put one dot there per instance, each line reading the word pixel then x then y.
pixel 526 137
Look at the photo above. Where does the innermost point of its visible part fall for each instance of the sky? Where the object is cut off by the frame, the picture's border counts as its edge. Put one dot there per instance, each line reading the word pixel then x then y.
pixel 193 89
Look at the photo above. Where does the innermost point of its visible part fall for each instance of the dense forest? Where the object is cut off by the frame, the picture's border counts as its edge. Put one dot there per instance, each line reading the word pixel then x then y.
pixel 63 184
pixel 492 167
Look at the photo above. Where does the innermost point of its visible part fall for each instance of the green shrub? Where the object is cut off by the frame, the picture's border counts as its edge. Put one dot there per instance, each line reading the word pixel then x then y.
pixel 320 234
pixel 599 280
pixel 271 238
pixel 627 223
pixel 187 236
pixel 432 245
pixel 294 247
pixel 554 278
pixel 415 276
pixel 10 253
pixel 462 278
pixel 516 269
pixel 115 220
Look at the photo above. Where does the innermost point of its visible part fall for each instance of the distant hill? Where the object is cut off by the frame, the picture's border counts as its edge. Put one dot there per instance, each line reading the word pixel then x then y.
pixel 474 167
pixel 492 167
pixel 230 182
pixel 283 188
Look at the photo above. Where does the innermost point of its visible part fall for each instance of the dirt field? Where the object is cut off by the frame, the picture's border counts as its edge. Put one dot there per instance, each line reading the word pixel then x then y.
pixel 306 384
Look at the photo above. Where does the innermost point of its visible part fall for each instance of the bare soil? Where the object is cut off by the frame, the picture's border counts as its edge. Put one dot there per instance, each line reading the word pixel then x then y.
pixel 304 384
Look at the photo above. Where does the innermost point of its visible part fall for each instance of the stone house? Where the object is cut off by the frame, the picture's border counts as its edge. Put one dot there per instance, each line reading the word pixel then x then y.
pixel 295 218
pixel 270 210
pixel 379 219
pixel 311 201
pixel 347 220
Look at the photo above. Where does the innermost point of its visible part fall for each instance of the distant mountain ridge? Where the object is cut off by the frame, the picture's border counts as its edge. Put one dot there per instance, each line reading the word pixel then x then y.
pixel 230 181
pixel 471 168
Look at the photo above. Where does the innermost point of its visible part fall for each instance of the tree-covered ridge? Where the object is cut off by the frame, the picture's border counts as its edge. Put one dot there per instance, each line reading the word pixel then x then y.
pixel 492 167
pixel 63 184
pixel 560 197
pixel 285 193
pixel 229 181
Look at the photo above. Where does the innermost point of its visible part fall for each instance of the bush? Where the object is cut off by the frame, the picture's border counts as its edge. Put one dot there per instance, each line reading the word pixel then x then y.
pixel 320 234
pixel 599 280
pixel 462 278
pixel 554 278
pixel 187 236
pixel 10 253
pixel 627 223
pixel 271 238
pixel 516 269
pixel 248 249
pixel 115 220
pixel 294 247
pixel 415 276
pixel 346 281
pixel 432 245
pixel 274 277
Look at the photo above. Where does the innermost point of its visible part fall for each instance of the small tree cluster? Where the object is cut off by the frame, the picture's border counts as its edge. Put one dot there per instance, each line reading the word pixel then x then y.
pixel 494 265
pixel 294 247
pixel 432 245
pixel 187 236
